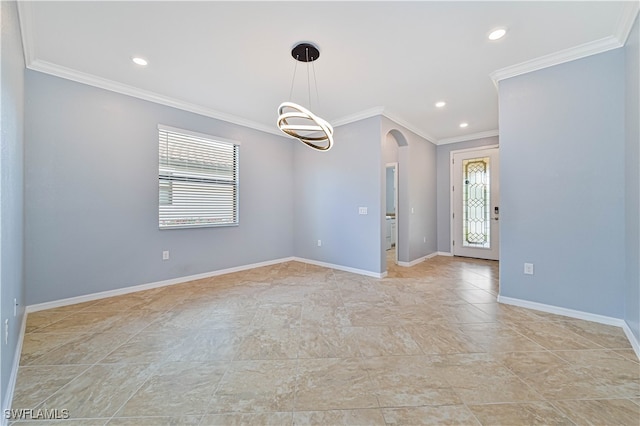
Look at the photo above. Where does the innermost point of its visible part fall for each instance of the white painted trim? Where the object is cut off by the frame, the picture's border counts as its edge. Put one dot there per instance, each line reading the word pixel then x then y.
pixel 25 17
pixel 558 310
pixel 445 253
pixel 396 205
pixel 372 112
pixel 11 385
pixel 632 339
pixel 471 137
pixel 341 267
pixel 557 58
pixel 179 280
pixel 451 179
pixel 477 148
pixel 626 21
pixel 416 261
pixel 114 86
pixel 572 313
pixel 124 89
pixel 409 127
pixel 148 286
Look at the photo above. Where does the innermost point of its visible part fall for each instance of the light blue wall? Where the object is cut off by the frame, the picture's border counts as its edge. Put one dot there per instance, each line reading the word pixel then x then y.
pixel 632 178
pixel 444 186
pixel 11 188
pixel 562 185
pixel 91 199
pixel 328 189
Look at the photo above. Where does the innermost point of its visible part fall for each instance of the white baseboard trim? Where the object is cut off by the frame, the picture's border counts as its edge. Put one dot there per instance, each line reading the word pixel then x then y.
pixel 445 253
pixel 572 313
pixel 126 290
pixel 341 268
pixel 11 386
pixel 632 339
pixel 148 286
pixel 419 260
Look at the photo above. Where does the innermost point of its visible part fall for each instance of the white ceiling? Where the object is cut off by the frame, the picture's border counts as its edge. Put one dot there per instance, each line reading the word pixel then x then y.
pixel 231 60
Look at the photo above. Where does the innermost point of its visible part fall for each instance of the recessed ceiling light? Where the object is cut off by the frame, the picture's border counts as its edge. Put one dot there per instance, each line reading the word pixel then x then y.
pixel 139 61
pixel 440 104
pixel 496 34
pixel 463 125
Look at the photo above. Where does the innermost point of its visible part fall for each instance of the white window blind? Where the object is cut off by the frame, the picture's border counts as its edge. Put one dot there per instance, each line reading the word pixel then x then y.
pixel 198 180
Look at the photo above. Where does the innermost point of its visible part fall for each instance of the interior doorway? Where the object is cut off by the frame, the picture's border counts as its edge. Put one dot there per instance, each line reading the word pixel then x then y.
pixel 393 219
pixel 391 204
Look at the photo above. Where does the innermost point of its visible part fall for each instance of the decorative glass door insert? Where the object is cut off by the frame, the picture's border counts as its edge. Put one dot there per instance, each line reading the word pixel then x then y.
pixel 476 203
pixel 475 200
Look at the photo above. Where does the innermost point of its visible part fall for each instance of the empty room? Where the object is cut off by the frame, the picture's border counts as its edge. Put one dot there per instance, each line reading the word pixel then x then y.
pixel 320 212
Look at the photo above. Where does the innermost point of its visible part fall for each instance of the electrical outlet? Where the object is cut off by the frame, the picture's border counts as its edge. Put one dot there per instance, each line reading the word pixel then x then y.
pixel 165 255
pixel 528 268
pixel 319 243
pixel 424 239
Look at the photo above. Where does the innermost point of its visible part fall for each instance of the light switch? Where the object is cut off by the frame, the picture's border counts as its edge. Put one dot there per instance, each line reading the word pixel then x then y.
pixel 362 210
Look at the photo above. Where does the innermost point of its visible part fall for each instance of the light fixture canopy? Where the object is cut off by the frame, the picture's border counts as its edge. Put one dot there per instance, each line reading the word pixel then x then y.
pixel 299 122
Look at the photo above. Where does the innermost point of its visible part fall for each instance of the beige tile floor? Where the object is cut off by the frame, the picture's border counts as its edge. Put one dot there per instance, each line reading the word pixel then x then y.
pixel 300 344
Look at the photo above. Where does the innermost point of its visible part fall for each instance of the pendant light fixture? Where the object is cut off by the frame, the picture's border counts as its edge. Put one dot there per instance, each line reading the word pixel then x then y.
pixel 296 120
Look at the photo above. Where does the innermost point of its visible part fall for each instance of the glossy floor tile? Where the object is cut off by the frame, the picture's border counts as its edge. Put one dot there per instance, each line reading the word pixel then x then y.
pixel 297 344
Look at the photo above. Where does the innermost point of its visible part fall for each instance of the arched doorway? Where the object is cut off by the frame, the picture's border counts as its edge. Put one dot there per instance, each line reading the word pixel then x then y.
pixel 394 197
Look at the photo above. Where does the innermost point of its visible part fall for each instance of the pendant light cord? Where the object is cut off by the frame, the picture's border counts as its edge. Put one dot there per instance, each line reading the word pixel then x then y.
pixel 315 80
pixel 308 79
pixel 293 80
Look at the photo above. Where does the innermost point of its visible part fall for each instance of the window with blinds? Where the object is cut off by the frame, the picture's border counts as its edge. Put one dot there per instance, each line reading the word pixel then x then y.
pixel 198 180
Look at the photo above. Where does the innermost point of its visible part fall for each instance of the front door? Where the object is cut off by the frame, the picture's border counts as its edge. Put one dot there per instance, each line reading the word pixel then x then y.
pixel 475 196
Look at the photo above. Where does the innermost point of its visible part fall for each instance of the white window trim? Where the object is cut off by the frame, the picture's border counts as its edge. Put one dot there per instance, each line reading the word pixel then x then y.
pixel 165 128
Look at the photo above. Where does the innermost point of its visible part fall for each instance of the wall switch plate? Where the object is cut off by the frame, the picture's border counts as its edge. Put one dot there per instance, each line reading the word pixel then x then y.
pixel 15 307
pixel 319 243
pixel 362 210
pixel 165 255
pixel 6 331
pixel 528 268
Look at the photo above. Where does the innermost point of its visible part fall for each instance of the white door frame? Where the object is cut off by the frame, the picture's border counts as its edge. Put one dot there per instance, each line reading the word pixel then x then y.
pixel 394 165
pixel 451 195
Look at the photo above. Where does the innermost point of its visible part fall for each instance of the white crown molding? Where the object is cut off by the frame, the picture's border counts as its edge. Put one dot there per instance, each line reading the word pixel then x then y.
pixel 103 83
pixel 25 17
pixel 471 137
pixel 372 112
pixel 410 127
pixel 626 21
pixel 557 58
pixel 368 113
